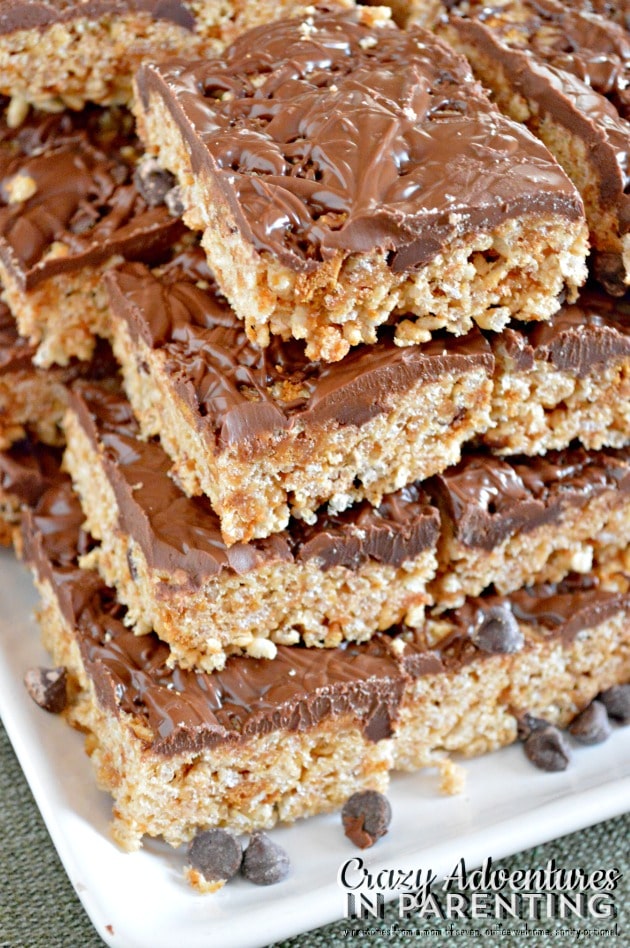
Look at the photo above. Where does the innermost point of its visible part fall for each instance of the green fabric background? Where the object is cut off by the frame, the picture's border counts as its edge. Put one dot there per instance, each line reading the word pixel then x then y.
pixel 39 909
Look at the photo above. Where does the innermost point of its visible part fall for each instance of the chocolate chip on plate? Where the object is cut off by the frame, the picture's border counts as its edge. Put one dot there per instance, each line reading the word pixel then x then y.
pixel 47 688
pixel 616 700
pixel 591 726
pixel 496 631
pixel 547 748
pixel 366 816
pixel 152 181
pixel 215 856
pixel 264 862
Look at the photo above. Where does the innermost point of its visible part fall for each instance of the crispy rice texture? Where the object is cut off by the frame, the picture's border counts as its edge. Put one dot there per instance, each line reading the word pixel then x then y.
pixel 294 472
pixel 516 271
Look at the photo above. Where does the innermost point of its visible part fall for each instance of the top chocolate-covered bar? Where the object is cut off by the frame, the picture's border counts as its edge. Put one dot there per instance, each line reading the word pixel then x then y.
pixel 342 171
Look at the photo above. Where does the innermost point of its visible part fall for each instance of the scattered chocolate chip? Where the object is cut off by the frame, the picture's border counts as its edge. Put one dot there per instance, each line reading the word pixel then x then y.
pixel 215 854
pixel 152 181
pixel 548 749
pixel 264 862
pixel 366 817
pixel 616 700
pixel 496 631
pixel 174 202
pixel 591 726
pixel 47 688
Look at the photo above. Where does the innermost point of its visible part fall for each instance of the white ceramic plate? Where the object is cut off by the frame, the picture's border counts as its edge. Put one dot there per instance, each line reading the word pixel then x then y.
pixel 141 900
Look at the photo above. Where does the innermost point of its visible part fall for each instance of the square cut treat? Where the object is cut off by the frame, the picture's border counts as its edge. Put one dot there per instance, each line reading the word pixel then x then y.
pixel 266 433
pixel 345 174
pixel 64 53
pixel 342 578
pixel 70 207
pixel 261 742
pixel 565 73
pixel 34 400
pixel 510 523
pixel 563 380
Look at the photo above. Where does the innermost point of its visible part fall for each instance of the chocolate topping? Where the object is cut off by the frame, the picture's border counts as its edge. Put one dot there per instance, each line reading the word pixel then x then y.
pixel 580 339
pixel 181 535
pixel 239 392
pixel 328 137
pixel 187 710
pixel 67 197
pixel 16 15
pixel 487 499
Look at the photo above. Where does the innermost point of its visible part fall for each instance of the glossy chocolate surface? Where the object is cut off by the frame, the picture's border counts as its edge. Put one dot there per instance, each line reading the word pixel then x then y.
pixel 327 137
pixel 82 206
pixel 238 392
pixel 488 499
pixel 181 535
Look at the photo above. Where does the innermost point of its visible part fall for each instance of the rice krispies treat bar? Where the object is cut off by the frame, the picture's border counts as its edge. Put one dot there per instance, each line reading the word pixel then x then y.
pixel 343 578
pixel 563 380
pixel 262 742
pixel 564 73
pixel 267 434
pixel 343 175
pixel 510 523
pixel 70 207
pixel 69 52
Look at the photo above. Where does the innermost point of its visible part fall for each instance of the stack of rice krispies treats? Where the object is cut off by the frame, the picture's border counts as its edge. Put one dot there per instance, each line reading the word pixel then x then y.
pixel 363 421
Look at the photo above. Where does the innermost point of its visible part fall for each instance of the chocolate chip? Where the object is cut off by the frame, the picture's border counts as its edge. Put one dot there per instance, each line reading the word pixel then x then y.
pixel 174 202
pixel 264 862
pixel 528 723
pixel 591 726
pixel 366 817
pixel 152 181
pixel 616 700
pixel 47 688
pixel 496 631
pixel 215 854
pixel 548 749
